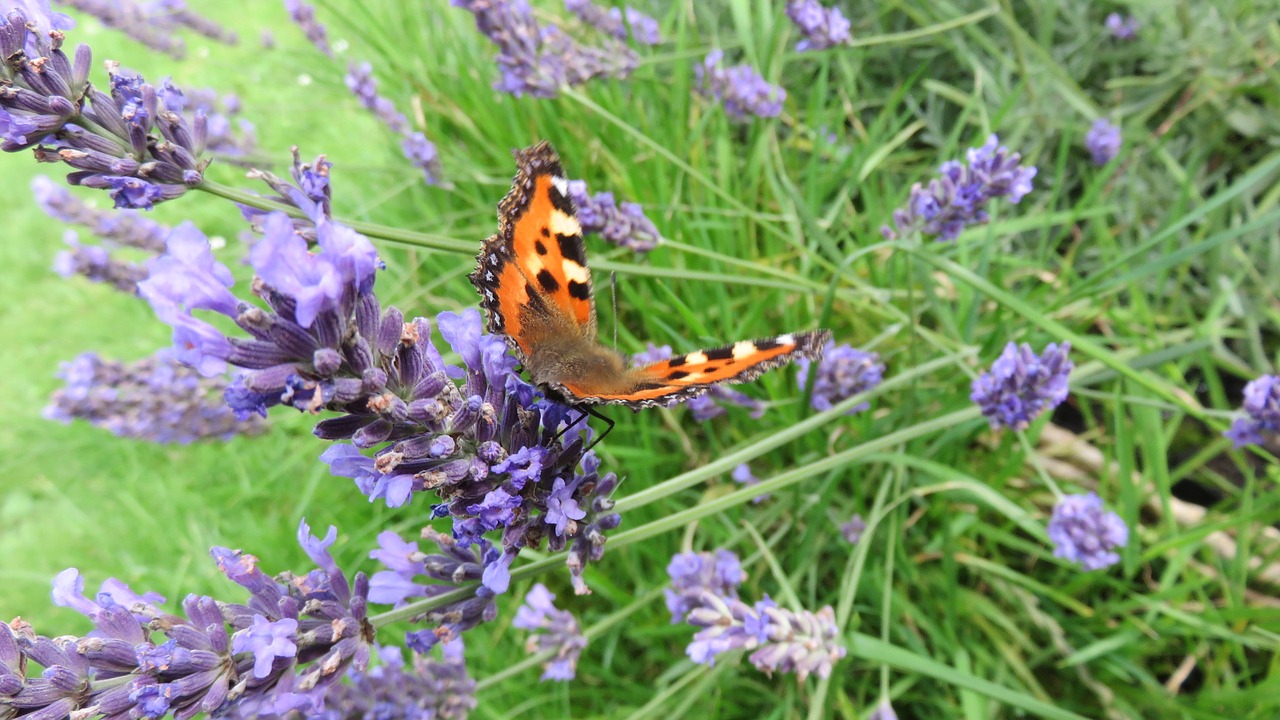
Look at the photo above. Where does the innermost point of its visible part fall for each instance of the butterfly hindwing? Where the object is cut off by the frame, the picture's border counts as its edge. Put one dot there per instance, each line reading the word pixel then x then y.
pixel 532 275
pixel 686 376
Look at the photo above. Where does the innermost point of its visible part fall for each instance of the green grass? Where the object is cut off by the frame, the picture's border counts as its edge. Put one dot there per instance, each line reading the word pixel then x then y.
pixel 1160 268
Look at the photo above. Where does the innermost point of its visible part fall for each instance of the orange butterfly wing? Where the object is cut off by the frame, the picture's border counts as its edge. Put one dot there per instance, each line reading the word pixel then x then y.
pixel 533 273
pixel 686 376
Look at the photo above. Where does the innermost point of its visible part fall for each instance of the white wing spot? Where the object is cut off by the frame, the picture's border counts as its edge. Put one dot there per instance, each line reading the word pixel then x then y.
pixel 692 378
pixel 743 349
pixel 787 339
pixel 562 224
pixel 695 358
pixel 575 272
pixel 561 184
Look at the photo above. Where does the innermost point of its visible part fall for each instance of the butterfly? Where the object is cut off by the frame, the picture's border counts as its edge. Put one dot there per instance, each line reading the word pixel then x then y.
pixel 536 290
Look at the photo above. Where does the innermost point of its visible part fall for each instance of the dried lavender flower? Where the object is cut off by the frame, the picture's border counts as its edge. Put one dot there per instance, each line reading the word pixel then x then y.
pixel 1021 385
pixel 625 225
pixel 539 60
pixel 843 372
pixel 552 630
pixel 782 640
pixel 1262 409
pixel 742 91
pixel 156 398
pixel 1082 532
pixel 1102 141
pixel 820 27
pixel 1122 27
pixel 644 29
pixel 960 196
pixel 695 574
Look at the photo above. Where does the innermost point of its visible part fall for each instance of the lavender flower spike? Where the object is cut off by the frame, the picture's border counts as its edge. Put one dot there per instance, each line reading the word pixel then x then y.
pixel 429 689
pixel 95 263
pixel 802 642
pixel 843 372
pixel 1021 385
pixel 553 630
pixel 644 29
pixel 852 530
pixel 156 398
pixel 126 227
pixel 820 27
pixel 1262 410
pixel 1122 27
pixel 693 575
pixel 960 196
pixel 1082 532
pixel 624 225
pixel 136 21
pixel 417 148
pixel 304 15
pixel 741 89
pixel 1102 141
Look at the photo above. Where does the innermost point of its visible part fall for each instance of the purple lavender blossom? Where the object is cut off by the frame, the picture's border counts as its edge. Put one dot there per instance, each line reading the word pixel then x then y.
pixel 960 196
pixel 710 404
pixel 1102 141
pixel 644 29
pixel 1021 385
pixel 361 82
pixel 95 263
pixel 128 143
pixel 1123 27
pixel 540 60
pixel 786 641
pixel 125 227
pixel 304 15
pixel 1082 532
pixel 176 12
pixel 852 530
pixel 429 690
pixel 553 631
pixel 695 574
pixel 280 652
pixel 624 225
pixel 138 22
pixel 156 398
pixel 1262 407
pixel 843 372
pixel 741 90
pixel 820 27
pixel 422 153
pixel 743 476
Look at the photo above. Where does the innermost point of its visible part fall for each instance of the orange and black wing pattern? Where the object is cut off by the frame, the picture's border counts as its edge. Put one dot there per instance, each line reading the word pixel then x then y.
pixel 532 275
pixel 687 376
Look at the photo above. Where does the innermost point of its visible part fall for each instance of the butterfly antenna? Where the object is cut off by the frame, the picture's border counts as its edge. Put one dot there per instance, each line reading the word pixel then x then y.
pixel 570 426
pixel 613 296
pixel 596 414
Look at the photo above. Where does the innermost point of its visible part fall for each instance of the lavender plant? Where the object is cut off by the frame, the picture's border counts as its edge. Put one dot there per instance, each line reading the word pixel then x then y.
pixel 551 630
pixel 743 91
pixel 1021 384
pixel 1102 141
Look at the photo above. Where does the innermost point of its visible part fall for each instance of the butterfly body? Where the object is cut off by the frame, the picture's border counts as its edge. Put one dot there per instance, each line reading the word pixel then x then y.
pixel 536 288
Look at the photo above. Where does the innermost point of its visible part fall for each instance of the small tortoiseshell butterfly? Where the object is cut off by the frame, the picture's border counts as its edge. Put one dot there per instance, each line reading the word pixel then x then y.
pixel 536 289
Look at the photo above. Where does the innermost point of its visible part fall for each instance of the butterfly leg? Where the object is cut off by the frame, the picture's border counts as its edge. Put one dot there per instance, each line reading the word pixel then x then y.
pixel 608 421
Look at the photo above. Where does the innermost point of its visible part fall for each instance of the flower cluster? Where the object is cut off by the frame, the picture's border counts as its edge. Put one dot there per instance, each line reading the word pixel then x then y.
pixel 960 196
pixel 1082 532
pixel 122 227
pixel 710 404
pixel 742 91
pixel 624 225
pixel 303 15
pixel 95 263
pixel 742 475
pixel 644 29
pixel 843 371
pixel 226 135
pixel 552 630
pixel 420 151
pixel 134 143
pixel 428 690
pixel 1122 27
pixel 1102 141
pixel 704 593
pixel 277 653
pixel 1021 384
pixel 820 27
pixel 693 574
pixel 154 24
pixel 852 530
pixel 1262 407
pixel 156 398
pixel 540 60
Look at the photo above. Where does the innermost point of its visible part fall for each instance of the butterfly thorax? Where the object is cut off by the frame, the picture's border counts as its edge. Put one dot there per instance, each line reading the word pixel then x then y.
pixel 577 362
